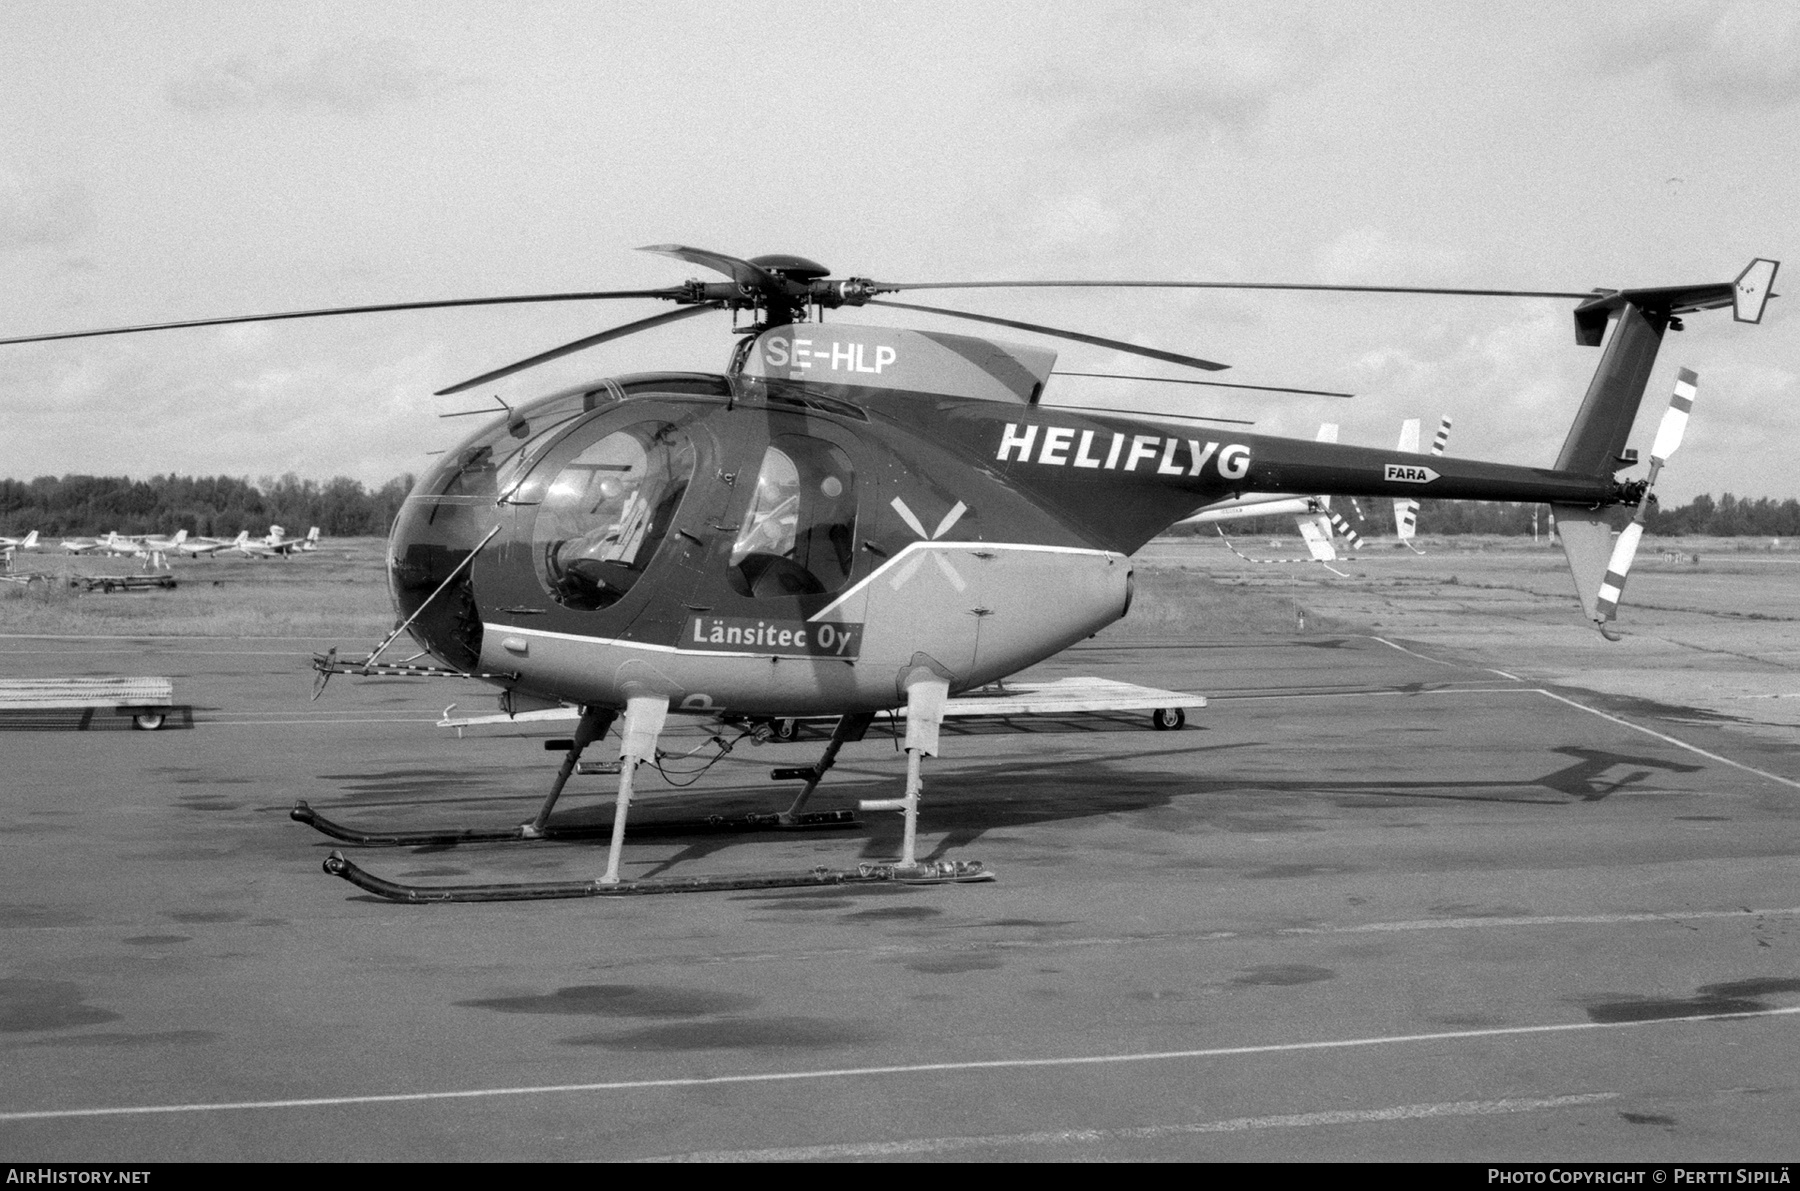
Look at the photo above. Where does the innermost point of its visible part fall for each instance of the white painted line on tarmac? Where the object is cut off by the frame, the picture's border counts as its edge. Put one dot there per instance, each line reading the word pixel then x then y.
pixel 772 1077
pixel 214 653
pixel 1535 920
pixel 1615 719
pixel 1523 690
pixel 144 637
pixel 1786 781
pixel 1188 938
pixel 372 713
pixel 1300 1120
pixel 1504 674
pixel 1411 653
pixel 1364 694
pixel 288 723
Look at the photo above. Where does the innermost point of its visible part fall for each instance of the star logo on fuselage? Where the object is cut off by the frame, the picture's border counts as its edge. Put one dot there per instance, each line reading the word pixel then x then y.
pixel 912 565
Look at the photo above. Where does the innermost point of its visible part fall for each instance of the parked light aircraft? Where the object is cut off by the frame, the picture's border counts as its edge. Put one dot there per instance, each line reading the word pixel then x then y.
pixel 1406 509
pixel 276 544
pixel 1314 515
pixel 852 519
pixel 10 547
pixel 205 547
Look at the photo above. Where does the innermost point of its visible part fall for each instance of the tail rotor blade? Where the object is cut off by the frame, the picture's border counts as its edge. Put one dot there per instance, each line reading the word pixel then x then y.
pixel 1668 438
pixel 1675 419
pixel 1612 587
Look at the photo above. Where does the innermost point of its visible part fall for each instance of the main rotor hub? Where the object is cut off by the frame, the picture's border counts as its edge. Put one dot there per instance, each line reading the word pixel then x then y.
pixel 791 268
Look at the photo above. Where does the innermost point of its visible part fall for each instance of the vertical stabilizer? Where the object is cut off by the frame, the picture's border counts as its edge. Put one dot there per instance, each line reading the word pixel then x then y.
pixel 1752 290
pixel 1596 442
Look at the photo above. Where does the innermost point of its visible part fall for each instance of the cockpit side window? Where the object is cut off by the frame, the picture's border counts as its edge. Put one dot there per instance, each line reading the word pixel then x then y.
pixel 798 536
pixel 608 509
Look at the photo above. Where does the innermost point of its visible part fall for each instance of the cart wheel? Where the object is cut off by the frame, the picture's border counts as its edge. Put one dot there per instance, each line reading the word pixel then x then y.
pixel 148 721
pixel 1167 719
pixel 784 730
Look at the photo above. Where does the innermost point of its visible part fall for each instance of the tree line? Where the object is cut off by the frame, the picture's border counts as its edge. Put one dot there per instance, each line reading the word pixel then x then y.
pixel 221 506
pixel 210 506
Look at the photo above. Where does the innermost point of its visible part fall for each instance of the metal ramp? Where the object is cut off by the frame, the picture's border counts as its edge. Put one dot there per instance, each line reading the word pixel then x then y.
pixel 78 704
pixel 1063 696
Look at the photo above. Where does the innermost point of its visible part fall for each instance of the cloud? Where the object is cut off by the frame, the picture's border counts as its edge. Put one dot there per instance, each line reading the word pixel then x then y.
pixel 228 403
pixel 352 78
pixel 40 211
pixel 1188 82
pixel 1369 256
pixel 1736 56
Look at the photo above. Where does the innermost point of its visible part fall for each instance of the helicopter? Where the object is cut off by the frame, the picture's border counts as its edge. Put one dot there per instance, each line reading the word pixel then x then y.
pixel 852 519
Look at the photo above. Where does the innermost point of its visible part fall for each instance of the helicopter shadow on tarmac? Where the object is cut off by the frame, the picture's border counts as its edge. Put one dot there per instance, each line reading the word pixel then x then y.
pixel 968 806
pixel 973 799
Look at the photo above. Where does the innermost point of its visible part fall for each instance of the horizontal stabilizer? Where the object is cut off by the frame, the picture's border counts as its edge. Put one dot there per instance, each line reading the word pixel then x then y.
pixel 1746 296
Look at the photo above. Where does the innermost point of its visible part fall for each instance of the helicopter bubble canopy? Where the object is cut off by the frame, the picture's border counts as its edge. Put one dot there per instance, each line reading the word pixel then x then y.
pixel 890 358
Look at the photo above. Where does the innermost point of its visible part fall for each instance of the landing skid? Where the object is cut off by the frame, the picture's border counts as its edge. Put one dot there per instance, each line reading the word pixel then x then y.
pixel 941 872
pixel 773 821
pixel 645 716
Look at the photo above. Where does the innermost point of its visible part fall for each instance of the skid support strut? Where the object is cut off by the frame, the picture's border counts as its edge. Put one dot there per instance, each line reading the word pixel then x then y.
pixel 593 726
pixel 925 699
pixel 644 719
pixel 849 730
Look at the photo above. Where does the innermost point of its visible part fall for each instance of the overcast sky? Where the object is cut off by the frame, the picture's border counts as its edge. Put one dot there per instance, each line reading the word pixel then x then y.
pixel 176 160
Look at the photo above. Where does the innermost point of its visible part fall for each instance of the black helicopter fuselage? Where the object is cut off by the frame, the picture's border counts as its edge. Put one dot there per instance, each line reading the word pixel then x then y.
pixel 762 545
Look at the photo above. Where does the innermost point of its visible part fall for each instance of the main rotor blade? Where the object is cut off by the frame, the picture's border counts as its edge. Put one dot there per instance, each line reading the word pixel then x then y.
pixel 515 299
pixel 1211 384
pixel 619 332
pixel 1079 337
pixel 896 286
pixel 743 272
pixel 1140 413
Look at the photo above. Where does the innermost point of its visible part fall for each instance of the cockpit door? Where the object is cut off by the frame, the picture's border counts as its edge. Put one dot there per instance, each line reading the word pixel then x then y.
pixel 603 538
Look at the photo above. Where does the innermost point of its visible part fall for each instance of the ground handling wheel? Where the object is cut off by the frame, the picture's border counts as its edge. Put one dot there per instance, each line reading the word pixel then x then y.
pixel 1167 719
pixel 148 721
pixel 784 730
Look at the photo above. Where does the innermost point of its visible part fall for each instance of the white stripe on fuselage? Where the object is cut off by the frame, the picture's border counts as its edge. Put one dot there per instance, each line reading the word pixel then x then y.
pixel 584 639
pixel 896 559
pixel 519 630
